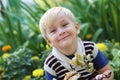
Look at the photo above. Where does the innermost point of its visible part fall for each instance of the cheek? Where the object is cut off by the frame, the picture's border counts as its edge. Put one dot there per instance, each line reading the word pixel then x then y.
pixel 72 30
pixel 53 40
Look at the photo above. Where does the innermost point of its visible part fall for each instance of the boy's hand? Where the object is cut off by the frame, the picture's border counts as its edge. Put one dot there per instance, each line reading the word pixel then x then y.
pixel 99 77
pixel 71 76
pixel 106 75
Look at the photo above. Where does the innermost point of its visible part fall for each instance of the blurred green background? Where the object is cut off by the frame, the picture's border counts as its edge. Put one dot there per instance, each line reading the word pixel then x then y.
pixel 23 49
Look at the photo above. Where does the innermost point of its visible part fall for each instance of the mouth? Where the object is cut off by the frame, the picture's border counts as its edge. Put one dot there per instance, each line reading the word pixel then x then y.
pixel 63 37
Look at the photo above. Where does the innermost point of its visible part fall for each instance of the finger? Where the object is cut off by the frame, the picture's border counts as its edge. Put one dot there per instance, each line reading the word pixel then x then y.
pixel 99 77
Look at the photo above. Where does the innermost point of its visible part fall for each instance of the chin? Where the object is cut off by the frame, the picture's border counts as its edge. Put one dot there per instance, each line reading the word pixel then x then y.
pixel 66 44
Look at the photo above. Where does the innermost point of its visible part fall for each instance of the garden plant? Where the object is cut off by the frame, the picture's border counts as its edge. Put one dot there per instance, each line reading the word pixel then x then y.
pixel 23 49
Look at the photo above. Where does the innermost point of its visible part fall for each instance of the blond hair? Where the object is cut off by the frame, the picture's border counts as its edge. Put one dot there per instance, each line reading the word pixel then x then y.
pixel 49 17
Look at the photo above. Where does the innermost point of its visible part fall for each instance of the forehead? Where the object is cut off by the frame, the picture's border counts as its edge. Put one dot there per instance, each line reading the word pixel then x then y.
pixel 57 19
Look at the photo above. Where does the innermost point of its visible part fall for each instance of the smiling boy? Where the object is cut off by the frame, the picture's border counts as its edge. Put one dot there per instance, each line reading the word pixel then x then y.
pixel 60 29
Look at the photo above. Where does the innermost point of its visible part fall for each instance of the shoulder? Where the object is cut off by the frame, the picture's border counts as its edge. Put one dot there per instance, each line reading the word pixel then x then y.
pixel 49 62
pixel 88 43
pixel 90 48
pixel 52 64
pixel 49 58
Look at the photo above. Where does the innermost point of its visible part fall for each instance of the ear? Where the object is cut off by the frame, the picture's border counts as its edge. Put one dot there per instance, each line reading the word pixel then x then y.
pixel 77 28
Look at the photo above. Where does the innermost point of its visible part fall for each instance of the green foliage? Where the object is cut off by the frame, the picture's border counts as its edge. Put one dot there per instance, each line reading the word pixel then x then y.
pixel 115 63
pixel 101 16
pixel 113 54
pixel 12 70
pixel 19 28
pixel 20 64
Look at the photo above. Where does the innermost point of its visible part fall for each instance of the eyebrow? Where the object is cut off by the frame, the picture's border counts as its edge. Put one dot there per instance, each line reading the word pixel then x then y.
pixel 64 20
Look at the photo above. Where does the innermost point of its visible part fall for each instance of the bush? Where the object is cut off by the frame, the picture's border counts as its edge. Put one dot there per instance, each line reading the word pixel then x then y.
pixel 112 52
pixel 21 64
pixel 99 20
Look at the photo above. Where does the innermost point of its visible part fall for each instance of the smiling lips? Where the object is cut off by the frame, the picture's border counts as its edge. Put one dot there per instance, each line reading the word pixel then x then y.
pixel 63 37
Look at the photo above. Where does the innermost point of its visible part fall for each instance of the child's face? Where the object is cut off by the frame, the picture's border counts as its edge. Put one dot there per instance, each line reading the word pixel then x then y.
pixel 63 32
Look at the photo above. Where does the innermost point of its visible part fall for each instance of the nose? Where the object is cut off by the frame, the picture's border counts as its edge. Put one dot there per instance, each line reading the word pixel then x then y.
pixel 61 32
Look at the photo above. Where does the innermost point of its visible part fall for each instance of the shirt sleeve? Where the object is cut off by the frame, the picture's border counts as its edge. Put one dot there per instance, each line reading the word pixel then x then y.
pixel 49 76
pixel 100 60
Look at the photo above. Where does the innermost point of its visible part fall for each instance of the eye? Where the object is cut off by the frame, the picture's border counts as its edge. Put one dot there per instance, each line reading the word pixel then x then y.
pixel 64 25
pixel 52 30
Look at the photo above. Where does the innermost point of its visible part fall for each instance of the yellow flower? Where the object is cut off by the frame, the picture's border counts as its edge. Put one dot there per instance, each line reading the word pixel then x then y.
pixel 35 58
pixel 117 44
pixel 101 46
pixel 47 47
pixel 38 72
pixel 89 36
pixel 6 48
pixel 28 77
pixel 5 55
